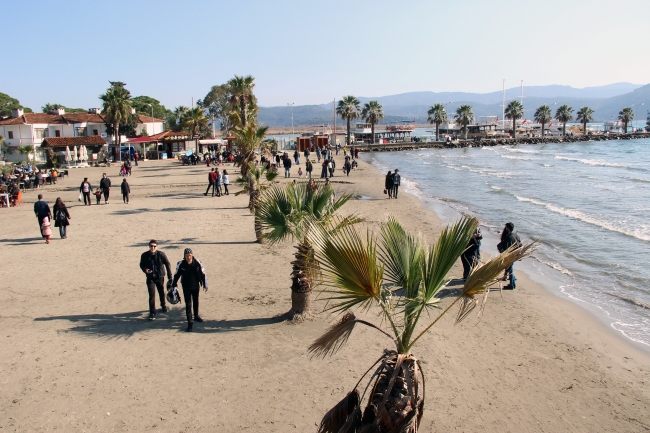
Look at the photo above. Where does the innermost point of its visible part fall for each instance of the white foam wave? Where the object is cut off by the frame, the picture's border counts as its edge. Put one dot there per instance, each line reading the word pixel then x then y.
pixel 554 265
pixel 593 162
pixel 641 232
pixel 548 165
pixel 511 149
pixel 523 158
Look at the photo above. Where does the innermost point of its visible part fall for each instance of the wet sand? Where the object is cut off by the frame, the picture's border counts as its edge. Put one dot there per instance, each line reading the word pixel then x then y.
pixel 79 355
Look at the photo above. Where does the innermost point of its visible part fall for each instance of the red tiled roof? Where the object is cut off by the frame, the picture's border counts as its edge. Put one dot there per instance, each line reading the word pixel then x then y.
pixel 147 119
pixel 83 118
pixel 31 118
pixel 91 140
pixel 66 119
pixel 12 121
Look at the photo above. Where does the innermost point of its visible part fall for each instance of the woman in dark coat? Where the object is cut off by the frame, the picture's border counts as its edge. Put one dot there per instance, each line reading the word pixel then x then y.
pixel 61 217
pixel 389 184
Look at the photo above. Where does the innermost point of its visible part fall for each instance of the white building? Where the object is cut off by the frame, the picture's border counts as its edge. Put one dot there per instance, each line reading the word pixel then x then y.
pixel 29 129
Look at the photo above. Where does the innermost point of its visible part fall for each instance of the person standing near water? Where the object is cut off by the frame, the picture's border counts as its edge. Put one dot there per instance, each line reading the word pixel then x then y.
pixel 397 180
pixel 472 254
pixel 152 263
pixel 105 186
pixel 388 184
pixel 192 275
pixel 508 239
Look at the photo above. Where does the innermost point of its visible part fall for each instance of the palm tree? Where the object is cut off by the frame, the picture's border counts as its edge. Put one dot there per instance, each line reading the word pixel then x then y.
pixel 116 109
pixel 543 115
pixel 241 95
pixel 295 212
pixel 514 111
pixel 179 115
pixel 195 120
pixel 626 115
pixel 584 116
pixel 372 112
pixel 248 140
pixel 464 116
pixel 399 274
pixel 564 114
pixel 348 108
pixel 437 115
pixel 258 180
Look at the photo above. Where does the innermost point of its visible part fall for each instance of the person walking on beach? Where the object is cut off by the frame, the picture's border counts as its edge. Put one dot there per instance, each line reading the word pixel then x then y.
pixel 277 161
pixel 85 189
pixel 152 263
pixel 508 239
pixel 309 167
pixel 472 254
pixel 105 186
pixel 225 180
pixel 354 153
pixel 306 153
pixel 347 167
pixel 217 182
pixel 192 275
pixel 126 190
pixel 318 153
pixel 287 167
pixel 212 177
pixel 61 217
pixel 388 185
pixel 46 229
pixel 296 157
pixel 331 166
pixel 42 211
pixel 397 180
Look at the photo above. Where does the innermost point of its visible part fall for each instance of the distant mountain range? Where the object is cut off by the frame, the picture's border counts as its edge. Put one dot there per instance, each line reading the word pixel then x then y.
pixel 607 101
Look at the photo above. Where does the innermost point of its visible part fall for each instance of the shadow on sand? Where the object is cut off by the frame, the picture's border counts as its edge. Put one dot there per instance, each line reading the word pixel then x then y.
pixel 181 243
pixel 129 324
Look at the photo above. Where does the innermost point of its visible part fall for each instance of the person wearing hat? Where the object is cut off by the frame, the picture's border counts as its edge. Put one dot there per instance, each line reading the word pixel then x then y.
pixel 151 263
pixel 192 275
pixel 508 239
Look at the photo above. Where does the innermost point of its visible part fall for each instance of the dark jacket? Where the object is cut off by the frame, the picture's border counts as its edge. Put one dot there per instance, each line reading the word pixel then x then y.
pixel 58 211
pixel 81 187
pixel 397 179
pixel 309 166
pixel 287 162
pixel 473 247
pixel 161 260
pixel 192 275
pixel 389 181
pixel 508 240
pixel 126 189
pixel 42 209
pixel 104 184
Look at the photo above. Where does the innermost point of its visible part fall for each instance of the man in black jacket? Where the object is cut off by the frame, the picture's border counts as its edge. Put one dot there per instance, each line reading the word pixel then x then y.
pixel 192 275
pixel 151 263
pixel 508 239
pixel 472 254
pixel 105 186
pixel 42 210
pixel 287 166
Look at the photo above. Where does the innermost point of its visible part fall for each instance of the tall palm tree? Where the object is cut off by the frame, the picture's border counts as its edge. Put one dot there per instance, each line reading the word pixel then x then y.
pixel 626 115
pixel 514 110
pixel 564 114
pixel 401 276
pixel 584 116
pixel 294 212
pixel 372 112
pixel 116 109
pixel 348 108
pixel 464 116
pixel 248 140
pixel 258 179
pixel 195 120
pixel 543 115
pixel 437 115
pixel 241 95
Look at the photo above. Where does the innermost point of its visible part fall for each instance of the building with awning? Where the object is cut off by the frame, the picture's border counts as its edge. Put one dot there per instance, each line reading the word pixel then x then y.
pixel 93 143
pixel 168 143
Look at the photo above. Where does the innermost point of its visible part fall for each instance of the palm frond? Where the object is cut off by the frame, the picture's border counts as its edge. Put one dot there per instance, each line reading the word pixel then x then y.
pixel 400 252
pixel 337 417
pixel 273 211
pixel 335 337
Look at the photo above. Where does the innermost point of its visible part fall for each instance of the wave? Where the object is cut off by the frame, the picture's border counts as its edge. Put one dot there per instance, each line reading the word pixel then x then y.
pixel 554 265
pixel 630 300
pixel 594 162
pixel 522 150
pixel 636 179
pixel 641 232
pixel 547 165
pixel 523 158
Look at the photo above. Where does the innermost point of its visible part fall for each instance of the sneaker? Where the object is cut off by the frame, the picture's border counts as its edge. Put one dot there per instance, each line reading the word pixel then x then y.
pixel 151 316
pixel 165 309
pixel 189 327
pixel 198 319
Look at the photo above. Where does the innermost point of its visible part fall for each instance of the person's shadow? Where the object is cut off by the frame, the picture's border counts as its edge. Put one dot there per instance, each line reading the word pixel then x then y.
pixel 128 324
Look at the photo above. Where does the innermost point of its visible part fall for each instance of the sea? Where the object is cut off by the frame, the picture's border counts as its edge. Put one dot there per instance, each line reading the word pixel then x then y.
pixel 588 204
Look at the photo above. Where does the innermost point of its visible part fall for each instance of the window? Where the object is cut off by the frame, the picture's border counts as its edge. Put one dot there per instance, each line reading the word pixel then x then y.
pixel 81 132
pixel 39 133
pixel 57 133
pixel 11 135
pixel 95 132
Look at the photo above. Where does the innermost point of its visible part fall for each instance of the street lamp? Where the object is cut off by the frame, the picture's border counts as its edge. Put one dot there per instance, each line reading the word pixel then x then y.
pixel 291 105
pixel 153 131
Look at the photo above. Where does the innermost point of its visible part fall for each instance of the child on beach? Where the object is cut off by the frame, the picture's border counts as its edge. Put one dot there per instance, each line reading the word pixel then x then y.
pixel 46 229
pixel 98 195
pixel 300 172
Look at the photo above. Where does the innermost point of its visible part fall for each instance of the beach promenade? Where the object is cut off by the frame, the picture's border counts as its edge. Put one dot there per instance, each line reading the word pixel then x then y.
pixel 79 355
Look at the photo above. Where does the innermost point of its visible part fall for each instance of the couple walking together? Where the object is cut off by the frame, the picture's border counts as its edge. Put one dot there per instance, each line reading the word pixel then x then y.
pixel 392 183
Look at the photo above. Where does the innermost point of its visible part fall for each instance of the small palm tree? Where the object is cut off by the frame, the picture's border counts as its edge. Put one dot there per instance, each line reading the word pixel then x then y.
pixel 564 114
pixel 116 109
pixel 437 115
pixel 257 180
pixel 348 108
pixel 514 111
pixel 241 95
pixel 372 112
pixel 584 116
pixel 543 115
pixel 248 140
pixel 294 212
pixel 464 116
pixel 626 115
pixel 195 121
pixel 402 276
pixel 179 115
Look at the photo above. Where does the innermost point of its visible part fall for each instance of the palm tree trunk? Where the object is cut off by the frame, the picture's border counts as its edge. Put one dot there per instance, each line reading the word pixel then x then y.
pixel 625 127
pixel 437 132
pixel 242 104
pixel 514 127
pixel 118 154
pixel 584 128
pixel 542 130
pixel 564 129
pixel 302 280
pixel 373 132
pixel 466 128
pixel 348 139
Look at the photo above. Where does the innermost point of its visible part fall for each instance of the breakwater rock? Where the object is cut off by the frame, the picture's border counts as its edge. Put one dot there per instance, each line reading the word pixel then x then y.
pixel 499 142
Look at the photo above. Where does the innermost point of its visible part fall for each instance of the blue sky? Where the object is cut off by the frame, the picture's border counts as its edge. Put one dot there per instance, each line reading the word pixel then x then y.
pixel 313 51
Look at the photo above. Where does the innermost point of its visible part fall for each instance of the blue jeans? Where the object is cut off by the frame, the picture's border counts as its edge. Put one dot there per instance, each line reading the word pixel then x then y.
pixel 513 280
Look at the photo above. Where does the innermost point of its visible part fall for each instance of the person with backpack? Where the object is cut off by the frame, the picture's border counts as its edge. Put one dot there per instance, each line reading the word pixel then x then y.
pixel 508 239
pixel 192 275
pixel 152 263
pixel 61 217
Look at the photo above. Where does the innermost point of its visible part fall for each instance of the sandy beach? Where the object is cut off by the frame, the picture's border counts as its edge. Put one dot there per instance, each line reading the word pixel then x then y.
pixel 79 355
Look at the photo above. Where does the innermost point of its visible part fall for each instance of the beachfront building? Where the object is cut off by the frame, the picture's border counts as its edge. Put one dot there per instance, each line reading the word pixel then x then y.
pixel 30 129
